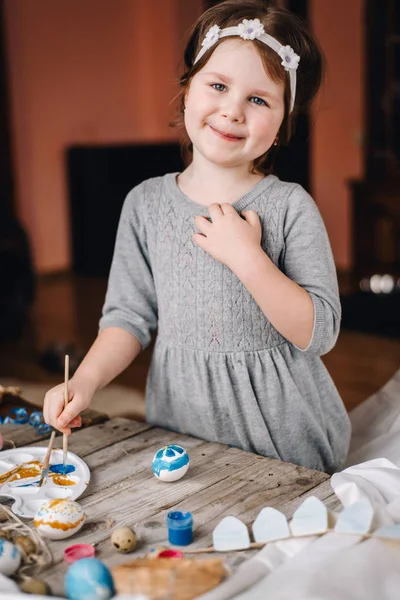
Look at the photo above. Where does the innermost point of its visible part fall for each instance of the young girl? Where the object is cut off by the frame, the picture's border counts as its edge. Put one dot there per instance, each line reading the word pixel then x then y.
pixel 230 264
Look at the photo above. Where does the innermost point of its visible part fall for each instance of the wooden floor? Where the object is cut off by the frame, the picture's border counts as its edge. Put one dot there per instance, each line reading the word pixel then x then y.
pixel 67 309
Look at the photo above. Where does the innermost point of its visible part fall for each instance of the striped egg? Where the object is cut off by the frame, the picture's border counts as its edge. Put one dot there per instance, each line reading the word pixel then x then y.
pixel 170 463
pixel 58 519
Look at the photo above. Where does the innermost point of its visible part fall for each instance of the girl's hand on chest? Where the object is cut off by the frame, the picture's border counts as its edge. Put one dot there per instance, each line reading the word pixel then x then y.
pixel 229 238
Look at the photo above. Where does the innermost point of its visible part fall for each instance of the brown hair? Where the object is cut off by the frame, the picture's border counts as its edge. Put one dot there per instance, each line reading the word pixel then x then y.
pixel 281 24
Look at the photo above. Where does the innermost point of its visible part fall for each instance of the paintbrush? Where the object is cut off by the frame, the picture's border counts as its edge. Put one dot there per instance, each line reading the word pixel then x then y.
pixel 65 436
pixel 45 469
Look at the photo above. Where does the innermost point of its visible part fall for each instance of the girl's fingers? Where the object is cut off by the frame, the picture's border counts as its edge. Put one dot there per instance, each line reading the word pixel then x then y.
pixel 77 422
pixel 70 412
pixel 66 430
pixel 203 224
pixel 54 405
pixel 200 240
pixel 251 217
pixel 215 211
pixel 227 209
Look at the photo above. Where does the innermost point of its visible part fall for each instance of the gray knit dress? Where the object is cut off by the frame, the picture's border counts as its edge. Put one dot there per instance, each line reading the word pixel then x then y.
pixel 220 371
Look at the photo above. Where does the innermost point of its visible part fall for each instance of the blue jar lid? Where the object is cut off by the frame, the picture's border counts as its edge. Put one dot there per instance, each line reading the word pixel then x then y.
pixel 179 520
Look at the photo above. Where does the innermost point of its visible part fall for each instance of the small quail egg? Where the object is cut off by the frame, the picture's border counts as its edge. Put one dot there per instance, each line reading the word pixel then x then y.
pixel 124 539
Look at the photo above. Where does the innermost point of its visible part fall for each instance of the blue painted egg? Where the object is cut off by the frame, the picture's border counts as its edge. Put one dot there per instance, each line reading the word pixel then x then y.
pixel 170 463
pixel 10 558
pixel 87 579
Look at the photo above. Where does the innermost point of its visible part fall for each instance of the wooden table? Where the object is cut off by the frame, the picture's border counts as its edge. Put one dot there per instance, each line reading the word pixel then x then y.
pixel 221 481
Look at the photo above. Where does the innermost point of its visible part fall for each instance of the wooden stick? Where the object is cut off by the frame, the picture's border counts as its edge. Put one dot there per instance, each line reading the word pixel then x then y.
pixel 258 545
pixel 252 546
pixel 66 399
pixel 45 469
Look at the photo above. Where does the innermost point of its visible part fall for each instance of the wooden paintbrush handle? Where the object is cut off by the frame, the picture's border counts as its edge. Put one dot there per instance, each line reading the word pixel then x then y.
pixel 66 399
pixel 49 449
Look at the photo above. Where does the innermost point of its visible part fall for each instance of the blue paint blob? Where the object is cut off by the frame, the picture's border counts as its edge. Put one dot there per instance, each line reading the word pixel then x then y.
pixel 180 528
pixel 60 470
pixel 177 448
pixel 29 484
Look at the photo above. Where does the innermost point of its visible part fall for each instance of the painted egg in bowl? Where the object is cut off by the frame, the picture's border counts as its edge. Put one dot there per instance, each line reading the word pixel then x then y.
pixel 59 518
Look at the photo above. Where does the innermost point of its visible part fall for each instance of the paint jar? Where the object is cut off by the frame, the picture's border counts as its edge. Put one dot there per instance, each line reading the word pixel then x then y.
pixel 180 528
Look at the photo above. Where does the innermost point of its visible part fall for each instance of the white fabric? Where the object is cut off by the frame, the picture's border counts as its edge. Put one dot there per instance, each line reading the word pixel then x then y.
pixel 334 566
pixel 376 425
pixel 340 567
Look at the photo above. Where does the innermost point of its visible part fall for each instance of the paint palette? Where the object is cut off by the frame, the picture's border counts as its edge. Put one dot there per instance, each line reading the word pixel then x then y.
pixel 20 471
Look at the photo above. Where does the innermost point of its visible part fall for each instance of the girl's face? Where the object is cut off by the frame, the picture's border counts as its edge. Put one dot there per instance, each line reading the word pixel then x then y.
pixel 233 108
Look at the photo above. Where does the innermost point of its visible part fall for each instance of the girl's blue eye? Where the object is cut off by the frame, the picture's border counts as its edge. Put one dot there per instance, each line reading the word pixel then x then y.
pixel 258 101
pixel 220 87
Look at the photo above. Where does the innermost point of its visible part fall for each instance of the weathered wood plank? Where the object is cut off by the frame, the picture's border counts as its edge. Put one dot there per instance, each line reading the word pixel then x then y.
pixel 24 435
pixel 148 517
pixel 323 491
pixel 209 492
pixel 87 441
pixel 118 465
pixel 220 481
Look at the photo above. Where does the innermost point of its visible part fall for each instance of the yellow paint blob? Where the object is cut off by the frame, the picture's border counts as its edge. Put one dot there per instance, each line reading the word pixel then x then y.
pixel 58 525
pixel 30 469
pixel 62 480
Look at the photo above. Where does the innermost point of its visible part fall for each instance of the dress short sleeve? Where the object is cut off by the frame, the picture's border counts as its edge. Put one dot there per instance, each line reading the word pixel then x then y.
pixel 131 301
pixel 307 259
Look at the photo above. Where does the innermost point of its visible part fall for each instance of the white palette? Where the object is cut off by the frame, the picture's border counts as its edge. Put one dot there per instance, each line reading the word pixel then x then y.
pixel 29 499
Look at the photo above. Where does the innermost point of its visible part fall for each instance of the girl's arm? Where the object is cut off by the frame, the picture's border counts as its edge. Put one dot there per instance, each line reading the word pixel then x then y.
pixel 113 350
pixel 300 296
pixel 111 353
pixel 285 304
pixel 128 320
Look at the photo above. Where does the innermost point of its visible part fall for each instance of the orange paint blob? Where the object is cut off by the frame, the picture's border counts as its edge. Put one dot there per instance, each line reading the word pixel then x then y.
pixel 62 480
pixel 56 502
pixel 58 525
pixel 30 469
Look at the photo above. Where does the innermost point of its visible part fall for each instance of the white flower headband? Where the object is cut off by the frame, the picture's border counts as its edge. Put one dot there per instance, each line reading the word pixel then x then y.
pixel 250 30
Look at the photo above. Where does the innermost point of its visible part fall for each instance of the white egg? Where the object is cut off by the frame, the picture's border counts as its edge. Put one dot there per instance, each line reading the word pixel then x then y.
pixel 10 558
pixel 58 519
pixel 170 463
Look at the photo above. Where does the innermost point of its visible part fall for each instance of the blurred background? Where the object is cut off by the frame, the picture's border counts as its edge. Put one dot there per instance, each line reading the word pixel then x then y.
pixel 86 90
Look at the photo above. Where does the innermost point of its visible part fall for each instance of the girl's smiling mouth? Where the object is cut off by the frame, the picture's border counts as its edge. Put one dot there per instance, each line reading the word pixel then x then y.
pixel 225 136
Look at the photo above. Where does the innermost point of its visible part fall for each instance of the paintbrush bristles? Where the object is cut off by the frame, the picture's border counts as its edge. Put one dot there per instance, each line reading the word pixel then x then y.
pixel 66 399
